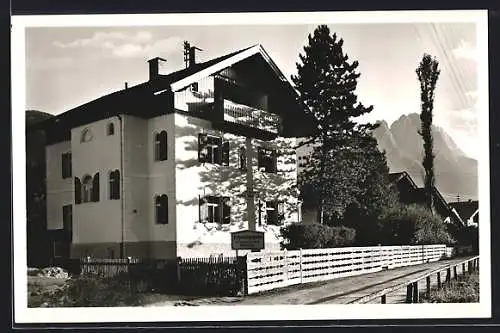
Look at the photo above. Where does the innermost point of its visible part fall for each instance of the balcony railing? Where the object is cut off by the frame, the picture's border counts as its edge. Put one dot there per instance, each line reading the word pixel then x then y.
pixel 251 117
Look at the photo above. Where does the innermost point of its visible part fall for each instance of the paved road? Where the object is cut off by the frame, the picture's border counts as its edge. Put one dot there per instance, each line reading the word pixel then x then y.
pixel 337 291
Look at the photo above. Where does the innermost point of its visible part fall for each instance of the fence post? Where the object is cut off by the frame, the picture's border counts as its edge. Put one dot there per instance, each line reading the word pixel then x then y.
pixel 415 292
pixel 243 274
pixel 463 268
pixel 383 299
pixel 178 264
pixel 409 293
pixel 439 279
pixel 455 274
pixel 428 285
pixel 285 265
pixel 300 266
pixel 448 274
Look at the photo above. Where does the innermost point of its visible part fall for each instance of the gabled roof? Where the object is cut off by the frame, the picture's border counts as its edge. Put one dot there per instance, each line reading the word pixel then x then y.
pixel 224 62
pixel 396 177
pixel 118 101
pixel 466 209
pixel 132 100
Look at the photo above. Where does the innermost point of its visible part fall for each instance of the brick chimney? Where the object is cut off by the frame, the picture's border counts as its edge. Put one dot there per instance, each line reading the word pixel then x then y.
pixel 153 67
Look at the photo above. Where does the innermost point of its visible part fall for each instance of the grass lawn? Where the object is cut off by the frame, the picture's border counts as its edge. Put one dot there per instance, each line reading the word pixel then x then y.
pixel 463 290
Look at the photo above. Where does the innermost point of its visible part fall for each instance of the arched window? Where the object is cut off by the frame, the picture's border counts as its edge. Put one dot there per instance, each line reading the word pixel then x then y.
pixel 161 209
pixel 86 189
pixel 114 185
pixel 110 129
pixel 86 135
pixel 161 146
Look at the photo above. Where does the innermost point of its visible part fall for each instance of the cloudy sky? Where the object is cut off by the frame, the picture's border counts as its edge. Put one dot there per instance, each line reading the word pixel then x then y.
pixel 67 67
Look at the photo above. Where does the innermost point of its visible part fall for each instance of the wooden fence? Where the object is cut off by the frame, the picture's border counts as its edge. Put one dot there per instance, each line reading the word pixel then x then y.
pixel 214 276
pixel 270 270
pixel 222 276
pixel 413 286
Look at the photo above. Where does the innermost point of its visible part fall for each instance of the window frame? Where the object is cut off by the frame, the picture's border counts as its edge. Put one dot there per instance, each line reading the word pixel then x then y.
pixel 66 165
pixel 270 158
pixel 213 149
pixel 161 201
pixel 87 188
pixel 160 146
pixel 214 209
pixel 114 185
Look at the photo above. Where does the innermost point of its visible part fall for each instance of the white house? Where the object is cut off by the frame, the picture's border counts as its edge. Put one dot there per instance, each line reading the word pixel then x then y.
pixel 173 165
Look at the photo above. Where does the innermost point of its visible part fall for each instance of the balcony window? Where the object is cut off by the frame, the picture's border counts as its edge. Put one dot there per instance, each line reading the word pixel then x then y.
pixel 212 149
pixel 267 160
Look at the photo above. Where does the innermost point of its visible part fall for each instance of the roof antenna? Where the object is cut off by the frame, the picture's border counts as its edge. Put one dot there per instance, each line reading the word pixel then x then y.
pixel 189 54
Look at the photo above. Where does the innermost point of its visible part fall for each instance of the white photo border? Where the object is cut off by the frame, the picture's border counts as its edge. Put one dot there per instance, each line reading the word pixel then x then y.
pixel 23 314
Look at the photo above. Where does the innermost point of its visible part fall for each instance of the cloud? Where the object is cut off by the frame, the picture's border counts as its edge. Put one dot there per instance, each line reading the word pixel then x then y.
pixel 465 50
pixel 106 39
pixel 123 45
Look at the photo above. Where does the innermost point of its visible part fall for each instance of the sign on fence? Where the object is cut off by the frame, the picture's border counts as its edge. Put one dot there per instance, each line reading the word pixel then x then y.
pixel 247 240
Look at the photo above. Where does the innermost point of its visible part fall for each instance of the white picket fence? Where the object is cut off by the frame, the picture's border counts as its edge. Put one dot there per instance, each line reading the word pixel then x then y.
pixel 270 270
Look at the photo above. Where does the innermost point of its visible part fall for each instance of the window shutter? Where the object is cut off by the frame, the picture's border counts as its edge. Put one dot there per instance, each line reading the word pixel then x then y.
pixel 95 188
pixel 218 211
pixel 78 191
pixel 225 153
pixel 218 151
pixel 274 156
pixel 226 210
pixel 202 147
pixel 203 209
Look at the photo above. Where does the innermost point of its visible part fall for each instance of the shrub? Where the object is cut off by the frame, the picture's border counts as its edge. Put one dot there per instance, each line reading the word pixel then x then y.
pixel 413 224
pixel 315 236
pixel 91 291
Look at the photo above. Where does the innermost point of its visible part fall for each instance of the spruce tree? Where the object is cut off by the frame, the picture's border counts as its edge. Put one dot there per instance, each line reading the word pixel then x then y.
pixel 342 156
pixel 428 74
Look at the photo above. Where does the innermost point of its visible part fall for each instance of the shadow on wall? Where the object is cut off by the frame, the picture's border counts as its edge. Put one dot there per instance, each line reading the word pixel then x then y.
pixel 230 180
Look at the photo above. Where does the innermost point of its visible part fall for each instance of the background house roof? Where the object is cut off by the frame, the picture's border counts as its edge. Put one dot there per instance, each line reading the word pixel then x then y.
pixel 466 209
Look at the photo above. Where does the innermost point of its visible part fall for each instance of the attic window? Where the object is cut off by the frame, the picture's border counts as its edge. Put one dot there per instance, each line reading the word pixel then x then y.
pixel 86 135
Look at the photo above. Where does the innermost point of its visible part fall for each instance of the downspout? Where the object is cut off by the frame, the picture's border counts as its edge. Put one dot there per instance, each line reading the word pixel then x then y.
pixel 122 199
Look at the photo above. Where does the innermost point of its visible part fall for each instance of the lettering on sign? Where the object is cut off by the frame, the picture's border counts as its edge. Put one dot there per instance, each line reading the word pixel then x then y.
pixel 247 240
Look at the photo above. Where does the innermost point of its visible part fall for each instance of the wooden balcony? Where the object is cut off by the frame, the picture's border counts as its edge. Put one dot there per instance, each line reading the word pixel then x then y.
pixel 250 117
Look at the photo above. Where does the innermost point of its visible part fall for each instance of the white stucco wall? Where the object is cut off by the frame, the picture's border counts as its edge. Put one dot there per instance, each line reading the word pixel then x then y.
pixel 59 190
pixel 194 179
pixel 162 179
pixel 95 222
